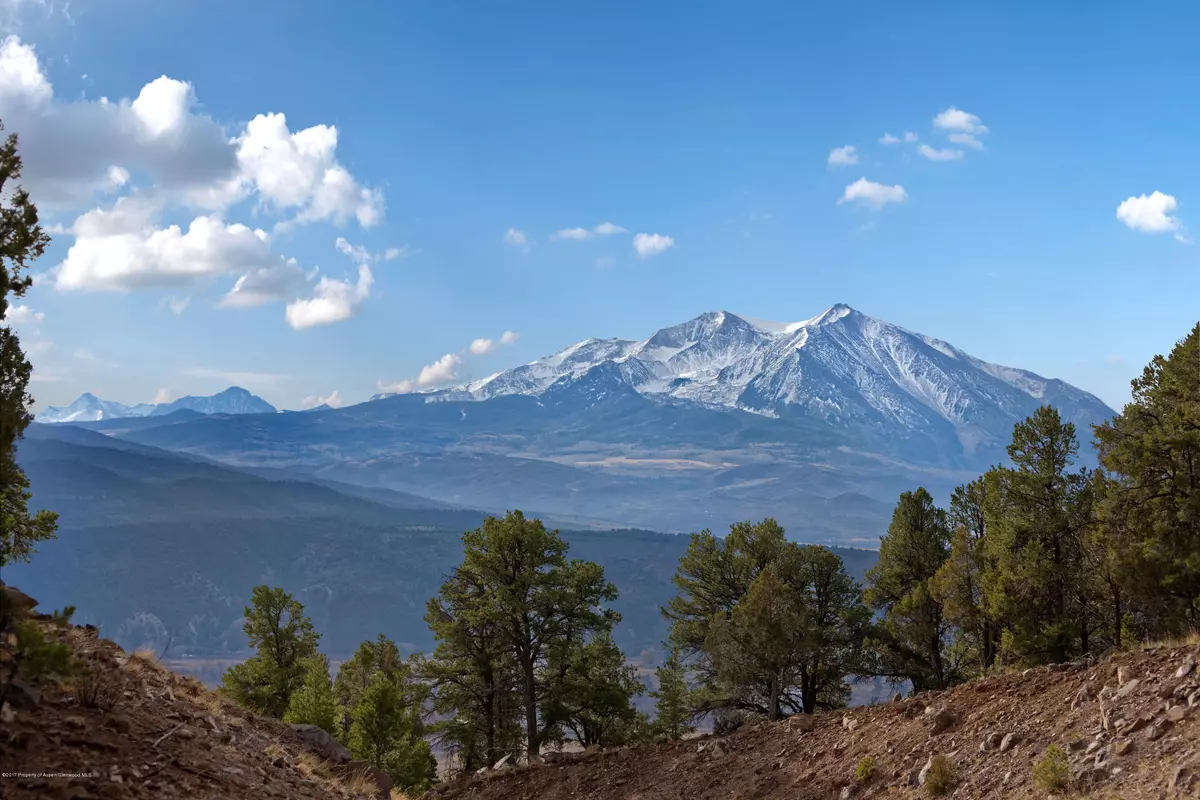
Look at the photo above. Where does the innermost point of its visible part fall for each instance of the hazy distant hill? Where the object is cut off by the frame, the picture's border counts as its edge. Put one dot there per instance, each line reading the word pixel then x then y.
pixel 155 546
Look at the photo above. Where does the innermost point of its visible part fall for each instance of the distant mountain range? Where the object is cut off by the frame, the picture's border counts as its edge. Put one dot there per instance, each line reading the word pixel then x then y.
pixel 820 423
pixel 89 408
pixel 163 549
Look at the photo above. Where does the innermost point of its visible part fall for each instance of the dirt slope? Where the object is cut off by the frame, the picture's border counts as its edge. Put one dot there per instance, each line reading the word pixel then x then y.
pixel 164 737
pixel 1128 723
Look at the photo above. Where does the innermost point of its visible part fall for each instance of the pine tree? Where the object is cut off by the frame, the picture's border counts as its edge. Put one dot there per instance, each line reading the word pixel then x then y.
pixel 22 241
pixel 1151 498
pixel 283 639
pixel 672 706
pixel 915 638
pixel 354 676
pixel 313 703
pixel 958 584
pixel 590 693
pixel 539 603
pixel 1039 514
pixel 387 730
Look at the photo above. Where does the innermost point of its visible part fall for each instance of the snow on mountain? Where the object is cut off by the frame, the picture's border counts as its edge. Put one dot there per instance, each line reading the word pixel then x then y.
pixel 841 366
pixel 89 408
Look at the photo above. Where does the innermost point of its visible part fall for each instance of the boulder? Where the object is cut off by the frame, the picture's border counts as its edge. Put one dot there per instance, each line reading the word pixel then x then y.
pixel 1009 741
pixel 800 722
pixel 323 743
pixel 1176 713
pixel 991 741
pixel 1127 688
pixel 943 720
pixel 16 600
pixel 1125 675
pixel 367 770
pixel 21 695
pixel 924 772
pixel 1186 667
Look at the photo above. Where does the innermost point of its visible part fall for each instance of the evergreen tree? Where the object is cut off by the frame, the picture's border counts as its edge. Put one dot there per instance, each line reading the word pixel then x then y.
pixel 474 676
pixel 591 693
pixel 795 641
pixel 915 638
pixel 313 703
pixel 387 730
pixel 354 676
pixel 22 241
pixel 958 584
pixel 283 639
pixel 1150 506
pixel 1038 516
pixel 672 699
pixel 539 603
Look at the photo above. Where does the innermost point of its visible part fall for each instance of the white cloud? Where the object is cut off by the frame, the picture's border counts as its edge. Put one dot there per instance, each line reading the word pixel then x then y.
pixel 1182 239
pixel 843 156
pixel 177 304
pixel 438 373
pixel 509 337
pixel 481 347
pixel 873 195
pixel 953 119
pixel 942 154
pixel 279 282
pixel 966 140
pixel 651 244
pixel 22 315
pixel 1151 213
pixel 515 237
pixel 39 347
pixel 332 301
pixel 333 399
pixel 73 149
pixel 578 234
pixel 121 249
pixel 887 138
pixel 164 395
pixel 910 137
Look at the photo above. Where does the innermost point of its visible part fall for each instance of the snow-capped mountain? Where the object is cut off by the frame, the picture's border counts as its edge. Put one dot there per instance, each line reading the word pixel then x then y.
pixel 89 408
pixel 842 367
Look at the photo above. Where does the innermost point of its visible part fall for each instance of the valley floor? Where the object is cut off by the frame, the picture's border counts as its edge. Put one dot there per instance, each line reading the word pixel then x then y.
pixel 1127 724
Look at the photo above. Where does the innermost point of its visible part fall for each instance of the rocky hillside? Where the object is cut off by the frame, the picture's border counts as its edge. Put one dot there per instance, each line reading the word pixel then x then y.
pixel 132 729
pixel 1126 727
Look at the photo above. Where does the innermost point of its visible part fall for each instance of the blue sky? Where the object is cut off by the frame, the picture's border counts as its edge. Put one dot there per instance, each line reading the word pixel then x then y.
pixel 709 125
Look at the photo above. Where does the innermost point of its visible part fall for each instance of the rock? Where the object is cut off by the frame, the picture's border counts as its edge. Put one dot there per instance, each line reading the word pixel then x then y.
pixel 186 734
pixel 22 696
pixel 924 772
pixel 1186 667
pixel 13 598
pixel 1155 732
pixel 1009 741
pixel 1176 713
pixel 322 742
pixel 1167 691
pixel 118 723
pixel 714 749
pixel 1075 745
pixel 991 741
pixel 847 793
pixel 1193 698
pixel 553 757
pixel 897 697
pixel 943 720
pixel 1125 675
pixel 504 762
pixel 232 770
pixel 1122 747
pixel 365 769
pixel 1127 688
pixel 7 715
pixel 800 722
pixel 1181 778
pixel 1137 724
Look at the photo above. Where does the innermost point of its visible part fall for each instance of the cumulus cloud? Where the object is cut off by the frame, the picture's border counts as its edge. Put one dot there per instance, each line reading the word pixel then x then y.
pixel 22 315
pixel 509 337
pixel 651 244
pixel 439 373
pixel 872 195
pixel 73 149
pixel 177 304
pixel 361 255
pixel 843 156
pixel 164 395
pixel 121 249
pixel 1152 213
pixel 578 234
pixel 333 399
pixel 956 120
pixel 940 154
pixel 332 301
pixel 481 347
pixel 908 138
pixel 279 282
pixel 966 140
pixel 515 237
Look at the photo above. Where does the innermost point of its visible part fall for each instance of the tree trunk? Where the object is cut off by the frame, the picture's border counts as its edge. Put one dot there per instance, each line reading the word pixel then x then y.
pixel 773 714
pixel 1118 618
pixel 532 751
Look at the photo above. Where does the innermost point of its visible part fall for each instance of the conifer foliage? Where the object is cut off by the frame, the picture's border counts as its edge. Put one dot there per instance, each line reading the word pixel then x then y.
pixel 22 241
